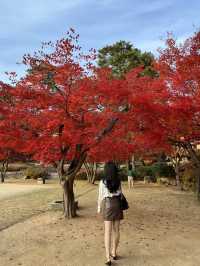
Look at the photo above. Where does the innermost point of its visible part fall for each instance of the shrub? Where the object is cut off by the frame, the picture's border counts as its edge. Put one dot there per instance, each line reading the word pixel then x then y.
pixel 155 171
pixel 144 171
pixel 81 176
pixel 163 170
pixel 122 174
pixel 35 173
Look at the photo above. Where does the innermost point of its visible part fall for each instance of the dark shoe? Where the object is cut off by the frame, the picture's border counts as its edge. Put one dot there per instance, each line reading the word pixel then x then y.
pixel 114 257
pixel 108 263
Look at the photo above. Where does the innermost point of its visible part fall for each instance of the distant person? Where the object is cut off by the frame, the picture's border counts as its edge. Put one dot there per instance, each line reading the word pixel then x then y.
pixel 109 207
pixel 130 176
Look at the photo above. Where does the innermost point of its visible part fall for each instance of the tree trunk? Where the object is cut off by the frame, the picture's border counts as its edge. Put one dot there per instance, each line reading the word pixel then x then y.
pixel 4 169
pixel 196 162
pixel 68 198
pixel 178 182
pixel 198 187
pixel 67 179
pixel 91 169
pixel 88 172
pixel 198 182
pixel 60 169
pixel 133 162
pixel 94 173
pixel 2 177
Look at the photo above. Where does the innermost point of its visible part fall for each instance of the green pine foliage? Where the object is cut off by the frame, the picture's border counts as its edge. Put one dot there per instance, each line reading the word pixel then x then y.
pixel 121 57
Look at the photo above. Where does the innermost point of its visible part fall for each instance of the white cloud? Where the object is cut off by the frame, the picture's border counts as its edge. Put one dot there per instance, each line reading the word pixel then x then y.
pixel 24 14
pixel 25 23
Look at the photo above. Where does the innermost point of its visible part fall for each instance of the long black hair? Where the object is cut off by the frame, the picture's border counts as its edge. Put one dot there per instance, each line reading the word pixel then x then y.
pixel 111 178
pixel 130 167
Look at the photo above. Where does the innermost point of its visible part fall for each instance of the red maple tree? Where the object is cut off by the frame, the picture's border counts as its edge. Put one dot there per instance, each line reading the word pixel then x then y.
pixel 179 67
pixel 10 142
pixel 65 110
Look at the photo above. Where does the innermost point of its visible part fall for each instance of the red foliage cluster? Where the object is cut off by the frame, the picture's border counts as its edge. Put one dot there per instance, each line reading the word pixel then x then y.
pixel 65 101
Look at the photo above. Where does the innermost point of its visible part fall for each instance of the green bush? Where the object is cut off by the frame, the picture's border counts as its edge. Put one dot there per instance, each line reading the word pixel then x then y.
pixel 35 173
pixel 155 171
pixel 122 174
pixel 81 176
pixel 163 170
pixel 144 171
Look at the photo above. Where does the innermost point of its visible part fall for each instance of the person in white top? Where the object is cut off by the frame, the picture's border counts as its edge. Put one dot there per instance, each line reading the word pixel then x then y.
pixel 109 206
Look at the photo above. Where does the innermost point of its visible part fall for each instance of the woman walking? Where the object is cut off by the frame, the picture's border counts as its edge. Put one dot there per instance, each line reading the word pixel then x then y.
pixel 130 176
pixel 109 207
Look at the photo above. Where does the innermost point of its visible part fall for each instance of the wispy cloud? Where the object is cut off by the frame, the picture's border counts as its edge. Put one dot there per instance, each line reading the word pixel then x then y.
pixel 25 23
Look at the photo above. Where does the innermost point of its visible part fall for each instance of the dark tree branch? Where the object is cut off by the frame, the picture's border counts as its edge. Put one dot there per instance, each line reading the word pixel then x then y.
pixel 108 129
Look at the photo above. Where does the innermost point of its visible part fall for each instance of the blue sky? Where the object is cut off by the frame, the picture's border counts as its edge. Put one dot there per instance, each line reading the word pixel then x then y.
pixel 25 23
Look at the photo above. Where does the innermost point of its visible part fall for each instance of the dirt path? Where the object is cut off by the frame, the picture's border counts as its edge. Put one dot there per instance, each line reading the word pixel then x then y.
pixel 161 228
pixel 19 202
pixel 9 190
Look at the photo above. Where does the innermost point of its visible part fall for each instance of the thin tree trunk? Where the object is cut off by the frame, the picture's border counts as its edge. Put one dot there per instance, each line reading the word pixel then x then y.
pixel 60 170
pixel 133 162
pixel 91 169
pixel 198 182
pixel 198 187
pixel 179 152
pixel 88 171
pixel 2 177
pixel 178 182
pixel 196 162
pixel 4 169
pixel 94 173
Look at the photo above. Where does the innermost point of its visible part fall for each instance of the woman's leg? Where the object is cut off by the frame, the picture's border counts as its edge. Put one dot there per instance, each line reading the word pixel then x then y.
pixel 116 236
pixel 132 182
pixel 129 182
pixel 107 239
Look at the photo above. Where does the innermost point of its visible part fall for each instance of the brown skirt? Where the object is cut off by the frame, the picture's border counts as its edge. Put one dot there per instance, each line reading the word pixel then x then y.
pixel 111 210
